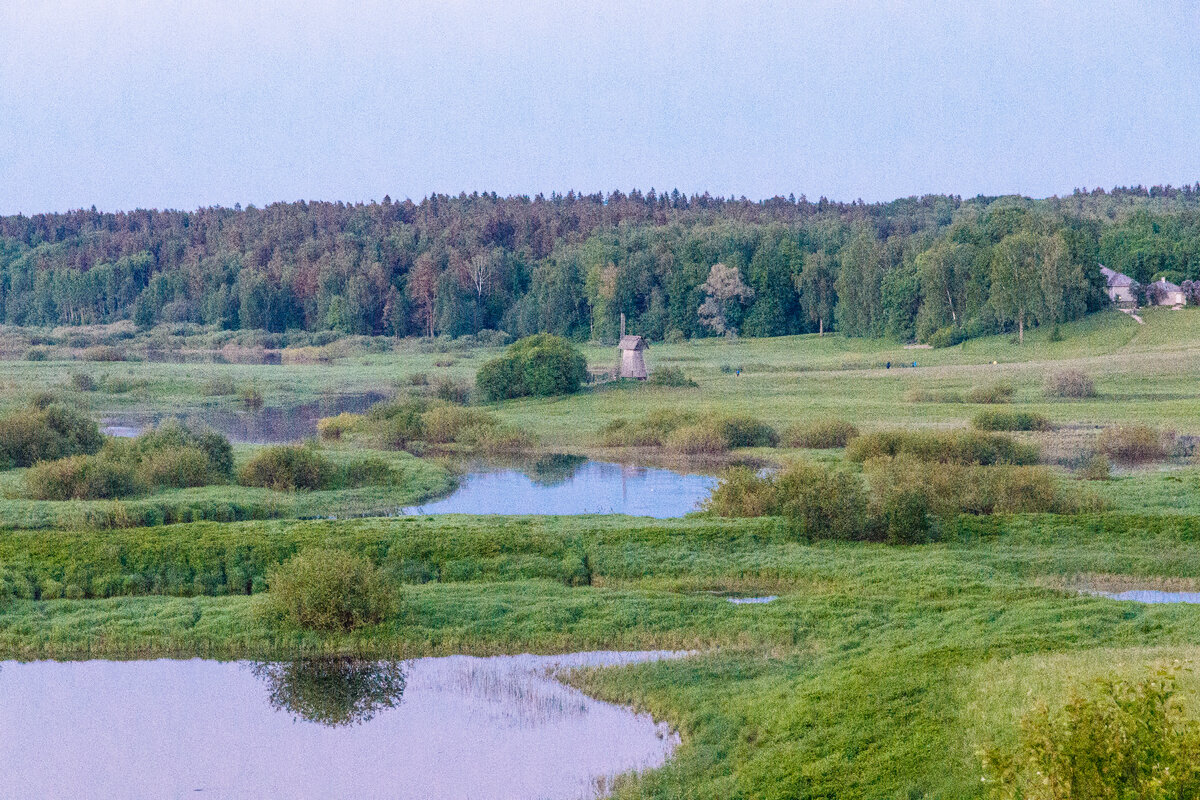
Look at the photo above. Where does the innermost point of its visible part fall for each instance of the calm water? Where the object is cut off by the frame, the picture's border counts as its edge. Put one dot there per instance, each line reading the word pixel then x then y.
pixel 571 485
pixel 455 727
pixel 1153 596
pixel 263 426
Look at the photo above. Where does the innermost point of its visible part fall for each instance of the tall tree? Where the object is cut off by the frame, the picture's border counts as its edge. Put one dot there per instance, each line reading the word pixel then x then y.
pixel 1016 284
pixel 723 288
pixel 816 283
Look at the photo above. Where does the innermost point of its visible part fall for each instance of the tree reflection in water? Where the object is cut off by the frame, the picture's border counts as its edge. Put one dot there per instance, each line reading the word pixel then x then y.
pixel 335 692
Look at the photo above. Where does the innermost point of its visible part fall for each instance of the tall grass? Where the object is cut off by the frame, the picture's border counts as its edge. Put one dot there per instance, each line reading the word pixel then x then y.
pixel 951 447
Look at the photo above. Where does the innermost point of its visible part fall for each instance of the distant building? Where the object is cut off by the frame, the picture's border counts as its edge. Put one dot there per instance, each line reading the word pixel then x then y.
pixel 1164 293
pixel 1119 286
pixel 632 363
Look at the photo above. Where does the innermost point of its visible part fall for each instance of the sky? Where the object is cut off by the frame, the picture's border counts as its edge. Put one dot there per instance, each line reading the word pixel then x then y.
pixel 126 104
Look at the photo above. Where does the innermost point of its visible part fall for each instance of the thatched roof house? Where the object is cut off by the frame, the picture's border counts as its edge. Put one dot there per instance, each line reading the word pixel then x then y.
pixel 632 363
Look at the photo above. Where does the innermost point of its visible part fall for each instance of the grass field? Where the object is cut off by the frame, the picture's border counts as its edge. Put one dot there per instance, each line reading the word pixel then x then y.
pixel 878 673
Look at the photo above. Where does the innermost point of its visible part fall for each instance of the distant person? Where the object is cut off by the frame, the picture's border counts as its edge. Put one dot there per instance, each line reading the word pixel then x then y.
pixel 738 372
pixel 889 365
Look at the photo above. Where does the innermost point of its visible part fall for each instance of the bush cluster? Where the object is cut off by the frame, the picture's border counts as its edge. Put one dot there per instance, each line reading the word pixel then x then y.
pixel 820 435
pixel 538 366
pixel 1132 444
pixel 334 428
pixel 288 468
pixel 994 393
pixel 402 423
pixel 685 433
pixel 1071 384
pixel 46 430
pixel 1112 740
pixel 172 456
pixel 951 447
pixel 907 501
pixel 671 376
pixel 329 590
pixel 1006 420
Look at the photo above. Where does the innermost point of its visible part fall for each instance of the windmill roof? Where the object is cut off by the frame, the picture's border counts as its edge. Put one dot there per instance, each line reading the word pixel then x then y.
pixel 632 343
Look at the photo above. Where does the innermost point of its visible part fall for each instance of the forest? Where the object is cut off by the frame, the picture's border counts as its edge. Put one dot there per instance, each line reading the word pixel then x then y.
pixel 936 269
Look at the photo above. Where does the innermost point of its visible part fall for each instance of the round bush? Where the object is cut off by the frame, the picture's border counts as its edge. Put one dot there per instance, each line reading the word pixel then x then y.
pixel 537 366
pixel 328 590
pixel 287 468
pixel 1071 384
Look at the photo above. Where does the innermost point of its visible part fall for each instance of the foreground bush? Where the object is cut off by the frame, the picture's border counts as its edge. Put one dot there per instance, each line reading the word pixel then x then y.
pixel 44 432
pixel 328 590
pixel 1132 444
pixel 820 435
pixel 82 478
pixel 1115 740
pixel 824 503
pixel 671 376
pixel 537 366
pixel 1071 384
pixel 1006 420
pixel 951 447
pixel 287 468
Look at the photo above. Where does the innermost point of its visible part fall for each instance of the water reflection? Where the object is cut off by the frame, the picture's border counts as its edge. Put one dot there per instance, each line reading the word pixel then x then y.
pixel 500 728
pixel 565 485
pixel 333 691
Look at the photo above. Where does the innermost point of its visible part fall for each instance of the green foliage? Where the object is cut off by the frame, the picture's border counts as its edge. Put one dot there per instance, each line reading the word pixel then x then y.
pixel 741 431
pixel 1006 420
pixel 1132 444
pixel 45 432
pixel 334 692
pixel 37 354
pixel 1113 740
pixel 820 435
pixel 288 468
pixel 1071 384
pixel 650 430
pixel 537 366
pixel 823 503
pixel 329 590
pixel 995 393
pixel 952 447
pixel 703 438
pixel 671 376
pixel 334 428
pixel 1097 468
pixel 82 478
pixel 83 382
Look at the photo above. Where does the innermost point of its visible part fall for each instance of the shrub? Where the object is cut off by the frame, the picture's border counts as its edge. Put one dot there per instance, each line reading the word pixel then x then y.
pixel 81 477
pixel 1071 384
pixel 922 395
pixel 747 432
pixel 287 468
pixel 820 435
pixel 446 424
pixel 670 376
pixel 219 386
pixel 743 492
pixel 46 433
pixel 103 353
pixel 251 397
pixel 823 503
pixel 1115 739
pixel 538 366
pixel 995 393
pixel 1005 420
pixel 650 430
pixel 947 337
pixel 328 590
pixel 418 379
pixel 497 438
pixel 177 467
pixel 173 436
pixel 37 354
pixel 82 382
pixel 1097 468
pixel 701 439
pixel 451 391
pixel 333 428
pixel 953 447
pixel 1132 444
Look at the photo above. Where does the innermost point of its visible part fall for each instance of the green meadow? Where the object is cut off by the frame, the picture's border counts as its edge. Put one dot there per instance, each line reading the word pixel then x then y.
pixel 881 671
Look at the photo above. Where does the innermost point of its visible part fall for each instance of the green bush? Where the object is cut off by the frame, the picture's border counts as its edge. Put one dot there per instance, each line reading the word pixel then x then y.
pixel 1006 420
pixel 173 436
pixel 747 432
pixel 103 353
pixel 1097 468
pixel 671 376
pixel 947 337
pixel 83 382
pixel 329 590
pixel 176 467
pixel 334 428
pixel 1132 444
pixel 700 439
pixel 820 435
pixel 995 393
pixel 288 468
pixel 251 397
pixel 37 354
pixel 954 447
pixel 45 433
pixel 650 430
pixel 1114 740
pixel 1071 384
pixel 444 424
pixel 823 503
pixel 539 366
pixel 82 477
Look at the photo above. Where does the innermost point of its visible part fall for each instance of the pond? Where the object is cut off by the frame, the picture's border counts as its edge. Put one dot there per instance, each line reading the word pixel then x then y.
pixel 453 727
pixel 1152 596
pixel 573 485
pixel 261 426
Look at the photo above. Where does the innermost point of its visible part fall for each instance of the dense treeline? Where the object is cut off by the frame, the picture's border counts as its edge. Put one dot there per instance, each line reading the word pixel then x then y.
pixel 936 268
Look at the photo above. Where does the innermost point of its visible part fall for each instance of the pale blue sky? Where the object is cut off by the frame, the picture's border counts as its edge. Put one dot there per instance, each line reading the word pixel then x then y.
pixel 125 104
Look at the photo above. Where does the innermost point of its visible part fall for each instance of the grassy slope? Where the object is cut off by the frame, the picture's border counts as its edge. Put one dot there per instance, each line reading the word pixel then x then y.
pixel 862 681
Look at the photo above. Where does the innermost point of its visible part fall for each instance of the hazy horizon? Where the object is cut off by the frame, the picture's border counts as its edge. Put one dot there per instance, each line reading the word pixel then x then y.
pixel 123 105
